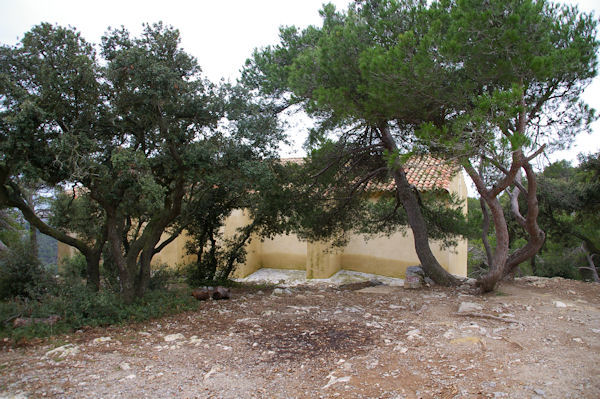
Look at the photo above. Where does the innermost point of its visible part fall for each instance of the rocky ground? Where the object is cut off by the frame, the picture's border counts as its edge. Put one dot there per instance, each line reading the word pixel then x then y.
pixel 534 338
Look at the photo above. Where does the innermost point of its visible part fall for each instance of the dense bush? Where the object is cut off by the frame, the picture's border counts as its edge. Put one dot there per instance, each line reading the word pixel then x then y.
pixel 22 274
pixel 78 307
pixel 162 275
pixel 559 262
pixel 73 267
pixel 198 276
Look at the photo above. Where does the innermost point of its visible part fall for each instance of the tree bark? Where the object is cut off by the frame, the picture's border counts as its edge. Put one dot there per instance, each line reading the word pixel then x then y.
pixel 114 240
pixel 33 238
pixel 212 258
pixel 533 266
pixel 407 197
pixel 93 270
pixel 485 228
pixel 488 281
pixel 528 223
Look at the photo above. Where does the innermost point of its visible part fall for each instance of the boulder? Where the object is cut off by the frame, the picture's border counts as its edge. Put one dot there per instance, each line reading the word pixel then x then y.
pixel 221 293
pixel 415 277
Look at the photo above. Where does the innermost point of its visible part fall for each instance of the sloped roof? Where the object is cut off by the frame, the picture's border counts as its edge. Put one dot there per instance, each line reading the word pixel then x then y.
pixel 424 172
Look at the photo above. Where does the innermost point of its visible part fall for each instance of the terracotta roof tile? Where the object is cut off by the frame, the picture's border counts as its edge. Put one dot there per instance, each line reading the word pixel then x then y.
pixel 425 173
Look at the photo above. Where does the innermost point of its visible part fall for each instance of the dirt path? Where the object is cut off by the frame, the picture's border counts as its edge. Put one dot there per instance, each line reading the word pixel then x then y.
pixel 330 342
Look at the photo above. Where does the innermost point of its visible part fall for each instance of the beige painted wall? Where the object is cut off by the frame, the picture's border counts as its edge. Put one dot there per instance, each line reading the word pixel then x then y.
pixel 388 256
pixel 283 252
pixel 322 260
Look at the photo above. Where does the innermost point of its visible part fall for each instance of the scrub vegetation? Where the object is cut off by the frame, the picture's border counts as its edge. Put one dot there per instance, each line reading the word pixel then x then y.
pixel 111 147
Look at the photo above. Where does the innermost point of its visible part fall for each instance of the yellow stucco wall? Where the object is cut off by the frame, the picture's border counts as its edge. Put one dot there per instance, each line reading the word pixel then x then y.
pixel 283 252
pixel 388 256
pixel 175 253
pixel 322 260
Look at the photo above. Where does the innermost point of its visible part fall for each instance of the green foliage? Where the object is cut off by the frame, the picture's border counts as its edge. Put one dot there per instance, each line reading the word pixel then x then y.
pixel 75 212
pixel 11 230
pixel 22 274
pixel 569 213
pixel 79 307
pixel 197 276
pixel 73 268
pixel 161 276
pixel 132 129
pixel 568 206
pixel 559 261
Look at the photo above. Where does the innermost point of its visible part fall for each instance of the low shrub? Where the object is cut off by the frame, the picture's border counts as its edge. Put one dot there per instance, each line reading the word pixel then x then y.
pixel 73 267
pixel 163 275
pixel 196 276
pixel 22 274
pixel 78 307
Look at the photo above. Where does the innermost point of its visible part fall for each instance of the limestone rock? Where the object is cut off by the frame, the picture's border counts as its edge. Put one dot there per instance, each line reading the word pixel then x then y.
pixel 415 277
pixel 174 337
pixel 379 289
pixel 63 351
pixel 282 291
pixel 100 340
pixel 559 304
pixel 469 307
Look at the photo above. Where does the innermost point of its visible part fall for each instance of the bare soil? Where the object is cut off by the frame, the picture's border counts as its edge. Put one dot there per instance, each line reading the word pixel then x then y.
pixel 327 342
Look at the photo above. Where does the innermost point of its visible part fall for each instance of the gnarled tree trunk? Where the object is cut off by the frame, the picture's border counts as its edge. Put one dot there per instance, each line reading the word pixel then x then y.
pixel 415 217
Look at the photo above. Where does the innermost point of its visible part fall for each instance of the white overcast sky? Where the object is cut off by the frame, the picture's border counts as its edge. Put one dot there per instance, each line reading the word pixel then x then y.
pixel 219 33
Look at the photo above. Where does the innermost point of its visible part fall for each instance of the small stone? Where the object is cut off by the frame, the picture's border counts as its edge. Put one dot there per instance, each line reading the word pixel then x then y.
pixel 63 351
pixel 174 337
pixel 468 307
pixel 412 334
pixel 539 392
pixel 101 339
pixel 282 291
pixel 559 304
pixel 578 340
pixel 124 366
pixel 400 348
pixel 211 372
pixel 394 307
